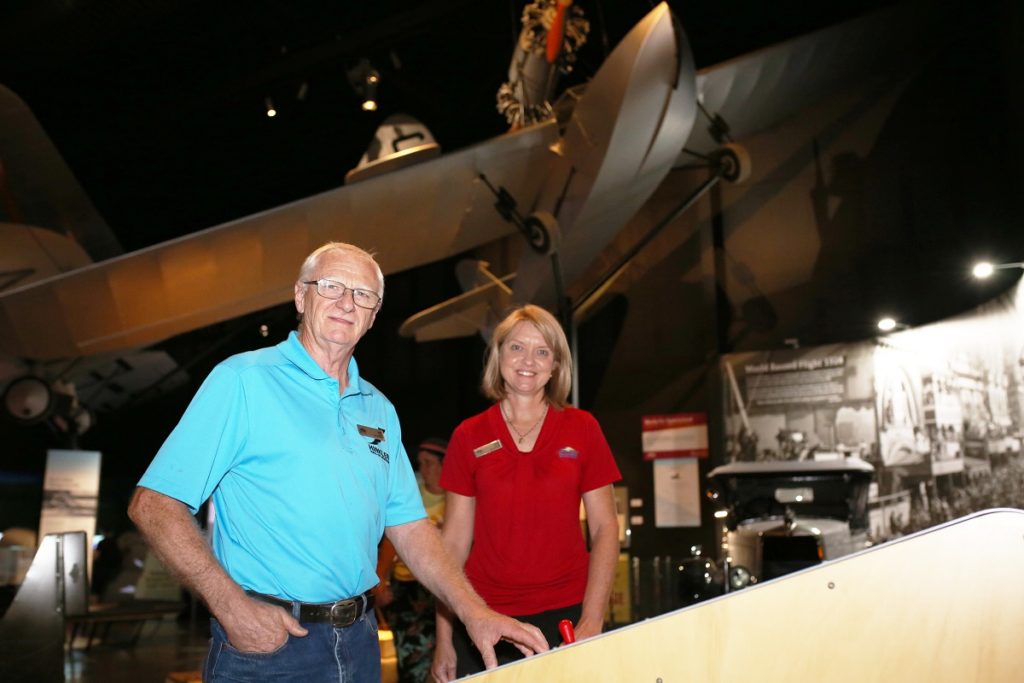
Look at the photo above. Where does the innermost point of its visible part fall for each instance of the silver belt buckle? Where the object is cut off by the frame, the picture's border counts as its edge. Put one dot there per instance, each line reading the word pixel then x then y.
pixel 344 612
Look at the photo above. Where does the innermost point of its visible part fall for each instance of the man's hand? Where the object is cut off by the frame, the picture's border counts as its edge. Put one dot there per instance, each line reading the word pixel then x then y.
pixel 255 626
pixel 486 627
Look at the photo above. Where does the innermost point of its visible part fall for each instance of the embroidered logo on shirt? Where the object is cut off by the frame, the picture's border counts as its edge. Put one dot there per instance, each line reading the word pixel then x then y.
pixel 375 433
pixel 379 452
pixel 487 448
pixel 567 452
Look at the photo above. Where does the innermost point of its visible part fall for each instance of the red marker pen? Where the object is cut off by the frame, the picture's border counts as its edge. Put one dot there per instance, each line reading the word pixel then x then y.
pixel 567 631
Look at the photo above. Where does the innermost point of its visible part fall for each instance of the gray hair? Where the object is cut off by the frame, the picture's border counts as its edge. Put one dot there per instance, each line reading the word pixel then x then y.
pixel 313 260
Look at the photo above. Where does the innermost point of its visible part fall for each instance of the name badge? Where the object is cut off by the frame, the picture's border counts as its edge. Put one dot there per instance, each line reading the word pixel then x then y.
pixel 567 452
pixel 487 448
pixel 375 433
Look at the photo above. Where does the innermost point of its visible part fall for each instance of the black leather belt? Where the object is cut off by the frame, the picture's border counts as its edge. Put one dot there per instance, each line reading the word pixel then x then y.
pixel 339 614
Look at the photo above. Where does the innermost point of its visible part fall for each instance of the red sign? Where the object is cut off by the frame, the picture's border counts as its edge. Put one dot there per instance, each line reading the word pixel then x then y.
pixel 679 435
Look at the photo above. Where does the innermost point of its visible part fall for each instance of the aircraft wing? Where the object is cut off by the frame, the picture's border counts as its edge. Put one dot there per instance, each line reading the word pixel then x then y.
pixel 414 216
pixel 37 188
pixel 758 90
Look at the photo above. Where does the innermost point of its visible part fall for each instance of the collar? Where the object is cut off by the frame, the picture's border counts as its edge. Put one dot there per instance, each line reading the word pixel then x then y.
pixel 293 351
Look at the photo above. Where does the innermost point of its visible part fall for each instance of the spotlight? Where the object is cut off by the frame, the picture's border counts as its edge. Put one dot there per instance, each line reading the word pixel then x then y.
pixel 271 112
pixel 364 79
pixel 985 269
pixel 982 270
pixel 888 324
pixel 372 78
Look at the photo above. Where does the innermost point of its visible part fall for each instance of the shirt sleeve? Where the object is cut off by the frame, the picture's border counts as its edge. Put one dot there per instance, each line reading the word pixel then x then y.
pixel 599 467
pixel 404 502
pixel 205 443
pixel 456 470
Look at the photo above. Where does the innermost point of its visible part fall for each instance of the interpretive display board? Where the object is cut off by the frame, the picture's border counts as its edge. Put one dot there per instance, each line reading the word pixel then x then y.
pixel 673 442
pixel 937 410
pixel 71 488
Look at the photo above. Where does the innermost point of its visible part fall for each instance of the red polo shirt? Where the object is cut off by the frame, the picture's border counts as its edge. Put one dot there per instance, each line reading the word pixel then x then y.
pixel 528 552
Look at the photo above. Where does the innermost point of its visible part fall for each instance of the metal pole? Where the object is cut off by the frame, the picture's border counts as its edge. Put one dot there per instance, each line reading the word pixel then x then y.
pixel 651 234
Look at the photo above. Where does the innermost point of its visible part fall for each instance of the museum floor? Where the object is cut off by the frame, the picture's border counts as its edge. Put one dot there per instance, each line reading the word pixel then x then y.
pixel 162 648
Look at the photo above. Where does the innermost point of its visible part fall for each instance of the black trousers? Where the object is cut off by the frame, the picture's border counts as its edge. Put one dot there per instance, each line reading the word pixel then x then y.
pixel 469 659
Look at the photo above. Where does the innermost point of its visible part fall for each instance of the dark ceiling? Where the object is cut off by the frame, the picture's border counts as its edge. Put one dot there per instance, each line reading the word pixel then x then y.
pixel 158 105
pixel 158 108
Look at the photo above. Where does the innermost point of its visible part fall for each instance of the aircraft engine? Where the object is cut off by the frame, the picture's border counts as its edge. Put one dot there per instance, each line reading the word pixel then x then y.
pixel 553 31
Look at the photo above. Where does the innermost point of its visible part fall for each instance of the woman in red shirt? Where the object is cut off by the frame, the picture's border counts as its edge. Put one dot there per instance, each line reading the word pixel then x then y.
pixel 514 476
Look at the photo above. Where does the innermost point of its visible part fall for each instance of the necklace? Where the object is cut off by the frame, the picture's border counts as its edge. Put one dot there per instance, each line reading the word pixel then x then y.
pixel 522 435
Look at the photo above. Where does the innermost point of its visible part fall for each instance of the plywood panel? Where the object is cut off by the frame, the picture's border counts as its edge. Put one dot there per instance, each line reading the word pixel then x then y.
pixel 943 605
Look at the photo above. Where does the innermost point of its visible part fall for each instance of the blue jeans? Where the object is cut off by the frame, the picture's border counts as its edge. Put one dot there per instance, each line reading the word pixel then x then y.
pixel 326 655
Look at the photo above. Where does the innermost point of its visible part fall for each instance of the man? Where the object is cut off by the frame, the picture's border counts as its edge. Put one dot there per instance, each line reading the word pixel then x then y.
pixel 304 461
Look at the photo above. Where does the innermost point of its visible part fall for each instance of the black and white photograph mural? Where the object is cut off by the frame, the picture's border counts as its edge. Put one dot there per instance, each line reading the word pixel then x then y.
pixel 938 411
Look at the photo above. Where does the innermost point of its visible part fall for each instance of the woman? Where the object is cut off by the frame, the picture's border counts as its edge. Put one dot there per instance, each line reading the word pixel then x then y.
pixel 514 477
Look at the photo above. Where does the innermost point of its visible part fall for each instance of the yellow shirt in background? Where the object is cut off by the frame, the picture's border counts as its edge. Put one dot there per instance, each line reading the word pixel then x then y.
pixel 434 505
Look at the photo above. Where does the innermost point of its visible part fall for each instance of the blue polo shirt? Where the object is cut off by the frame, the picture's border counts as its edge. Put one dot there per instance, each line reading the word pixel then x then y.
pixel 303 479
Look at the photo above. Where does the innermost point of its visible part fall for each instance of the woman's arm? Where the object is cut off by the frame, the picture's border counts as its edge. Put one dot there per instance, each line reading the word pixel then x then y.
pixel 604 554
pixel 457 534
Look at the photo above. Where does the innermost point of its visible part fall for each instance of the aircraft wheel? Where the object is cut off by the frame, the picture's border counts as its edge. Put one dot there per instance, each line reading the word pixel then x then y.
pixel 541 231
pixel 734 162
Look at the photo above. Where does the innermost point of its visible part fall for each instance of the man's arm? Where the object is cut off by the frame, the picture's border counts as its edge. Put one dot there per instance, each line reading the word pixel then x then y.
pixel 172 533
pixel 419 544
pixel 604 553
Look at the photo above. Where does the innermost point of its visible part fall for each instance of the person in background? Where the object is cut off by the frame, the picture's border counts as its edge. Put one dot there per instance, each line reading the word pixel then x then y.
pixel 514 477
pixel 407 605
pixel 106 564
pixel 303 459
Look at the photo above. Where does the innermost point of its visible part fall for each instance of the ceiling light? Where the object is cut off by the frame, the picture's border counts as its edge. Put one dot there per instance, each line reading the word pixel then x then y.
pixel 364 79
pixel 888 324
pixel 985 269
pixel 271 112
pixel 371 79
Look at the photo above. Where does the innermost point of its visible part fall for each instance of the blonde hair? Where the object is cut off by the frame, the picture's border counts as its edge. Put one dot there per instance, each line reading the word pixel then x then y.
pixel 313 260
pixel 557 389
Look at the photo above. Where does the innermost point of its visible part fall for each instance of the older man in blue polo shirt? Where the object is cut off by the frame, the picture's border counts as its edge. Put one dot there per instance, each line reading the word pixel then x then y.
pixel 305 464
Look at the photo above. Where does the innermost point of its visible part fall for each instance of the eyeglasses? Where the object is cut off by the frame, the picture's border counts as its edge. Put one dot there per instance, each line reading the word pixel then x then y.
pixel 331 289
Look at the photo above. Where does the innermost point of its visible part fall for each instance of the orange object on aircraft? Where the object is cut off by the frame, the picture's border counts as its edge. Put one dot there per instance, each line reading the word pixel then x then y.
pixel 554 44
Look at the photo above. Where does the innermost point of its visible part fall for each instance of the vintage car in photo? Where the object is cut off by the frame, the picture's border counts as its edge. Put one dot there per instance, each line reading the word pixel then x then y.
pixel 782 516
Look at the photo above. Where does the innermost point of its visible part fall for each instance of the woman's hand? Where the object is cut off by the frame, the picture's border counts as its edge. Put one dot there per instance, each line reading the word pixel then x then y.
pixel 585 628
pixel 443 666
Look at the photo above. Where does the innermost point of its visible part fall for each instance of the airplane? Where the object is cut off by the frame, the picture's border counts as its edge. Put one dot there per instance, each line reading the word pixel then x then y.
pixel 551 192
